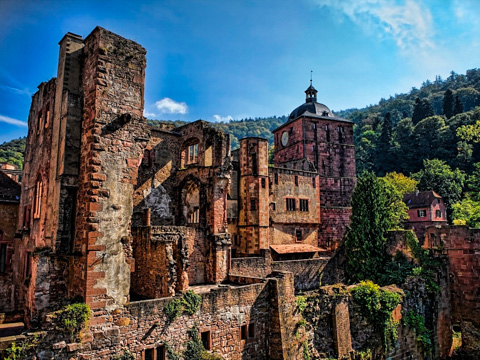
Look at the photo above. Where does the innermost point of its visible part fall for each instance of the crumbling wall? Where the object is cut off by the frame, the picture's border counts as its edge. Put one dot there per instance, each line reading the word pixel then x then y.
pixel 223 312
pixel 113 139
pixel 307 272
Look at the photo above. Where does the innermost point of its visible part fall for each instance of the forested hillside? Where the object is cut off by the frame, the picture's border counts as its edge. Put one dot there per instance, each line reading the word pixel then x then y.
pixel 12 152
pixel 261 127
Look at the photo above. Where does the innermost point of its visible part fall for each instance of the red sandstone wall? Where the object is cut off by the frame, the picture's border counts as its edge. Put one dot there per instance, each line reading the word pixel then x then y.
pixel 113 131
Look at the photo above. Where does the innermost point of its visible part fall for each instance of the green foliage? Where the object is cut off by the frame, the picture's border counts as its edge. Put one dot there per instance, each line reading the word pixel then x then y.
pixel 12 152
pixel 173 309
pixel 127 355
pixel 171 354
pixel 402 183
pixel 191 302
pixel 448 104
pixel 428 265
pixel 19 351
pixel 470 132
pixel 376 305
pixel 306 351
pixel 194 349
pixel 439 177
pixel 417 322
pixel 73 318
pixel 376 208
pixel 396 270
pixel 301 303
pixel 467 212
pixel 188 304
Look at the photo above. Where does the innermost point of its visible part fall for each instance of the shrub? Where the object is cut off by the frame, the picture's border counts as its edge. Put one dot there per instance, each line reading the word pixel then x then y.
pixel 173 309
pixel 191 302
pixel 301 303
pixel 417 322
pixel 73 318
pixel 376 306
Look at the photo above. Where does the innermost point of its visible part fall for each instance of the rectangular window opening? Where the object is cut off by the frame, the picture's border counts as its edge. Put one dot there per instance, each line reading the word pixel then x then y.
pixel 422 213
pixel 303 204
pixel 263 184
pixel 296 180
pixel 148 354
pixel 207 340
pixel 438 213
pixel 253 204
pixel 244 332
pixel 276 178
pixel 298 235
pixel 290 204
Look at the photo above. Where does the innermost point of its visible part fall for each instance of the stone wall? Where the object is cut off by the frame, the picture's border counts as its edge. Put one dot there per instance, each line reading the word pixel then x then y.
pixel 266 308
pixel 251 266
pixel 307 272
pixel 8 214
pixel 462 245
pixel 336 326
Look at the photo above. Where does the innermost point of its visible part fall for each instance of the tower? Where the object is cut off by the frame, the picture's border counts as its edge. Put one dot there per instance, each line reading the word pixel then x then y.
pixel 315 139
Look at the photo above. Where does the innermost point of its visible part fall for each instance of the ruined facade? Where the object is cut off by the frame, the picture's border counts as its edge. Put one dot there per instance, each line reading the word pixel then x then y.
pixel 126 218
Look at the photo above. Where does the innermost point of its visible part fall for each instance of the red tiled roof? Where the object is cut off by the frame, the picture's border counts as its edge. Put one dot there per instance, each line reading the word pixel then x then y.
pixel 295 248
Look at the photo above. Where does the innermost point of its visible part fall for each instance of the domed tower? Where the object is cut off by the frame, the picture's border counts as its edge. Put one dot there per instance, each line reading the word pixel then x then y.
pixel 314 139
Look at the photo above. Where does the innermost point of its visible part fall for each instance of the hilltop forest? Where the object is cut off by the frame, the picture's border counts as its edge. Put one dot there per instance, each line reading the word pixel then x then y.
pixel 431 134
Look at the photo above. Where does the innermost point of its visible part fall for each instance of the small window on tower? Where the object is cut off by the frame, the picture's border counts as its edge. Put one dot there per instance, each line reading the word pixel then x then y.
pixel 274 206
pixel 438 213
pixel 298 235
pixel 296 180
pixel 253 204
pixel 290 204
pixel 263 183
pixel 314 184
pixel 276 178
pixel 304 205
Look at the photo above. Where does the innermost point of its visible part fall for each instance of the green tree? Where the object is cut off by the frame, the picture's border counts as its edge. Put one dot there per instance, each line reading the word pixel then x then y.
pixel 376 209
pixel 467 212
pixel 402 183
pixel 436 175
pixel 385 152
pixel 417 111
pixel 448 103
pixel 470 132
pixel 458 108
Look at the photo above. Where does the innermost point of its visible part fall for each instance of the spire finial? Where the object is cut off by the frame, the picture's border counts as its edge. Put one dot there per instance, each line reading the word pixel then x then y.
pixel 311 76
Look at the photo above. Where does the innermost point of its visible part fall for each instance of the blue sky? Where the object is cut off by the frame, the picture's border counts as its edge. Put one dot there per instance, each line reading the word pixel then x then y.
pixel 217 59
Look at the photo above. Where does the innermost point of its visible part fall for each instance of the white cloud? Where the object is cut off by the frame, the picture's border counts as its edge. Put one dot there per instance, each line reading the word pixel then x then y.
pixel 218 118
pixel 11 121
pixel 148 114
pixel 169 106
pixel 15 90
pixel 408 22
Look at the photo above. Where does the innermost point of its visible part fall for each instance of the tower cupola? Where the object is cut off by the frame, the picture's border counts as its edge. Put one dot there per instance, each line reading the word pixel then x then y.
pixel 311 93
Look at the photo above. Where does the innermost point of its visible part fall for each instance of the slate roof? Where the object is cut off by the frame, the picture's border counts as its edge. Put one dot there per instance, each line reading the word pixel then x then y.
pixel 9 189
pixel 420 199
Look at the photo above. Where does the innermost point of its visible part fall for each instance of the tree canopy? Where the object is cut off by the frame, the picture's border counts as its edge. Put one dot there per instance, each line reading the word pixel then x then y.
pixel 377 207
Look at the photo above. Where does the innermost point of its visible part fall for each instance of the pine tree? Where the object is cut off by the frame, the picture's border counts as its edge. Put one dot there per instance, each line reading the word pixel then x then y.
pixel 448 103
pixel 384 161
pixel 376 208
pixel 458 108
pixel 427 109
pixel 417 111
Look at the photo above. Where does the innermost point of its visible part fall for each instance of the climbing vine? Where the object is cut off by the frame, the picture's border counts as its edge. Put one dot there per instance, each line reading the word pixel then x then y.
pixel 417 322
pixel 188 304
pixel 376 306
